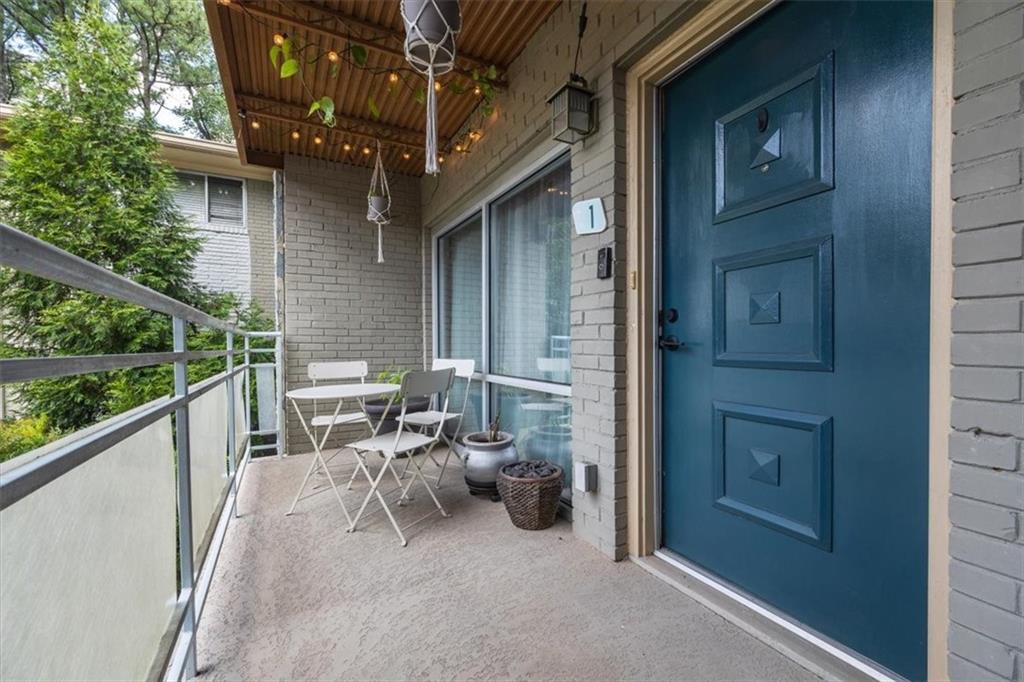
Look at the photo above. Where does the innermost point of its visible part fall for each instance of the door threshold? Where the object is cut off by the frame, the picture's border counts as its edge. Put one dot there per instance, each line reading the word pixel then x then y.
pixel 811 651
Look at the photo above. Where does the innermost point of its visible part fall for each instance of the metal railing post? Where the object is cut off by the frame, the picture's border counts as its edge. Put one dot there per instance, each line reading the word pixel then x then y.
pixel 232 441
pixel 184 497
pixel 279 367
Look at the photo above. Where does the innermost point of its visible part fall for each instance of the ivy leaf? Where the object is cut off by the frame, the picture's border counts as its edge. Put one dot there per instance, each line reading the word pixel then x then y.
pixel 457 88
pixel 315 106
pixel 275 55
pixel 358 54
pixel 335 68
pixel 289 68
pixel 327 106
pixel 420 96
pixel 374 109
pixel 329 120
pixel 492 72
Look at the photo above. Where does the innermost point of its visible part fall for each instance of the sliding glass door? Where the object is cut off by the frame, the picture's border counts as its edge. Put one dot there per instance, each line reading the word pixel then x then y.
pixel 503 286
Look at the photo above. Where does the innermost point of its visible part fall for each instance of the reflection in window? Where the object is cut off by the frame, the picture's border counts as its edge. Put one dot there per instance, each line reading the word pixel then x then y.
pixel 540 423
pixel 529 278
pixel 459 281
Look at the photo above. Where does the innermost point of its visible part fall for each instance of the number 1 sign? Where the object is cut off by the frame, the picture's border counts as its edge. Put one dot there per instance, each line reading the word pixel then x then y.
pixel 588 216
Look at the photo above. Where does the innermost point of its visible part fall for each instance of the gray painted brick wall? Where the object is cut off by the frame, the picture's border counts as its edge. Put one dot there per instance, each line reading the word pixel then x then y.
pixel 260 217
pixel 986 637
pixel 340 304
pixel 597 308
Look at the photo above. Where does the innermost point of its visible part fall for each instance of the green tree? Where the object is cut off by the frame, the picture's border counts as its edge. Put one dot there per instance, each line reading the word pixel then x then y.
pixel 170 47
pixel 82 173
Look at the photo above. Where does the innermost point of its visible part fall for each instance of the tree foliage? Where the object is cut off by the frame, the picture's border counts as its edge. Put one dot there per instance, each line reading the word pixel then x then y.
pixel 170 46
pixel 82 172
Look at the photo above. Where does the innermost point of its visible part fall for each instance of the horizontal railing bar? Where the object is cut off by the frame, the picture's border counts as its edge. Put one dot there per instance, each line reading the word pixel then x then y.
pixel 262 335
pixel 272 446
pixel 25 253
pixel 16 370
pixel 262 350
pixel 31 476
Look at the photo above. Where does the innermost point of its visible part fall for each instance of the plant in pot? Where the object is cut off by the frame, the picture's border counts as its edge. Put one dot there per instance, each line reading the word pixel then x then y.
pixel 530 490
pixel 377 407
pixel 483 454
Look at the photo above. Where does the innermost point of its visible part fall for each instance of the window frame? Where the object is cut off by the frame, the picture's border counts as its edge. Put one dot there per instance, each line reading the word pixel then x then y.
pixel 481 210
pixel 205 222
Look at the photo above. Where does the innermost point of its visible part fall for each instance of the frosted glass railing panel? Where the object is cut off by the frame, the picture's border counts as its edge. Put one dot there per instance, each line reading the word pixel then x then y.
pixel 208 438
pixel 239 412
pixel 87 564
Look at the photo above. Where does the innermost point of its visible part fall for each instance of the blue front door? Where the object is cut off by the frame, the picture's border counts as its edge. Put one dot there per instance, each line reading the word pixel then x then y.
pixel 795 277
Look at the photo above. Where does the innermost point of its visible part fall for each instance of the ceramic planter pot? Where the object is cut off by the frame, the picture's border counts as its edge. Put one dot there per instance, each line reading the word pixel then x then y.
pixel 433 23
pixel 482 460
pixel 377 209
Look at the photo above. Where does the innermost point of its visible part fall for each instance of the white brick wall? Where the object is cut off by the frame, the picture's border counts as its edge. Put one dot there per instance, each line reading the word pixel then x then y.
pixel 986 638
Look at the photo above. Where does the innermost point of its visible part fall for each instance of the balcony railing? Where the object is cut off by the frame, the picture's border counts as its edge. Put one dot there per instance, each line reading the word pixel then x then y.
pixel 109 536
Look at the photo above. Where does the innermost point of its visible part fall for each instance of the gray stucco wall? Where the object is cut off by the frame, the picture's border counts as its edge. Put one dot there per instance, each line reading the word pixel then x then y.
pixel 986 638
pixel 340 304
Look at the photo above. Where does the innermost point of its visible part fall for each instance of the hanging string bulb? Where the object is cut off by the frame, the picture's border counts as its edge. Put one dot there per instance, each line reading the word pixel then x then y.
pixel 333 57
pixel 406 155
pixel 347 147
pixel 296 135
pixel 279 39
pixel 317 139
pixel 393 77
pixel 254 124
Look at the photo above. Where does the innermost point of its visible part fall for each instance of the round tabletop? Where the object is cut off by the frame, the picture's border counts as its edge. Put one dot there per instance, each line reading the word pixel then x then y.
pixel 342 391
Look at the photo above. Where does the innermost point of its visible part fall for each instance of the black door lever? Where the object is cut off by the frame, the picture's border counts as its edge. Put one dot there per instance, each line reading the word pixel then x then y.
pixel 670 343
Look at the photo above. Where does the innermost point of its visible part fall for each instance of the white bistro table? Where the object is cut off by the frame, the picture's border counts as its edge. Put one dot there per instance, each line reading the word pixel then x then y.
pixel 340 393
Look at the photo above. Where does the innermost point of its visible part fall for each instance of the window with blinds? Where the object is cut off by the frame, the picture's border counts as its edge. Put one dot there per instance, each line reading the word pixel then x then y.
pixel 211 200
pixel 225 200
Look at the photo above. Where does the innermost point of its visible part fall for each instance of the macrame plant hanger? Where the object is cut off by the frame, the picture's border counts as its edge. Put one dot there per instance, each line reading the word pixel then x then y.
pixel 378 202
pixel 430 30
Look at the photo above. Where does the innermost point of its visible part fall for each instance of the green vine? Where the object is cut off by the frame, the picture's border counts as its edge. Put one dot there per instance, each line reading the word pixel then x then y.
pixel 289 58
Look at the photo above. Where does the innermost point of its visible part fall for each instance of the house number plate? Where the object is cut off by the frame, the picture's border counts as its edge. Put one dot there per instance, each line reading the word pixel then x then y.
pixel 588 216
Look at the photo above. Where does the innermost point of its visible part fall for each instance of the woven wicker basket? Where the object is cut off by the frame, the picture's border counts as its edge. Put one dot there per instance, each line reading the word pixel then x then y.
pixel 532 503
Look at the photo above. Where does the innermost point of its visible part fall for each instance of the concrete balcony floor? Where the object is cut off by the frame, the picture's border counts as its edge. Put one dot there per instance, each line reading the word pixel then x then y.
pixel 471 597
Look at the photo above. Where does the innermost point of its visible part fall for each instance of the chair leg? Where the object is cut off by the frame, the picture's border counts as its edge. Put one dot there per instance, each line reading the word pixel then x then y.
pixel 380 498
pixel 418 473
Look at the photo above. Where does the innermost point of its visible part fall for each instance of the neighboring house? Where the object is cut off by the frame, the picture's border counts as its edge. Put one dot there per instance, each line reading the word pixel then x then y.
pixel 231 206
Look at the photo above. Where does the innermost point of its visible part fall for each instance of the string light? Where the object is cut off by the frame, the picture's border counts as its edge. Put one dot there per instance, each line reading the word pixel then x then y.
pixel 278 39
pixel 255 124
pixel 474 135
pixel 347 147
pixel 295 134
pixel 477 91
pixel 393 77
pixel 366 151
pixel 406 155
pixel 437 86
pixel 458 148
pixel 333 57
pixel 317 139
pixel 440 159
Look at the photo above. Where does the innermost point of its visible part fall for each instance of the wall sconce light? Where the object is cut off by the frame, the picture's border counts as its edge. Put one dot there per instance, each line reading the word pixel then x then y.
pixel 571 111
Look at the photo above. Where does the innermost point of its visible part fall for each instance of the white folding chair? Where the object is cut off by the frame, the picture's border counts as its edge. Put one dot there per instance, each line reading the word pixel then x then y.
pixel 432 418
pixel 336 372
pixel 404 441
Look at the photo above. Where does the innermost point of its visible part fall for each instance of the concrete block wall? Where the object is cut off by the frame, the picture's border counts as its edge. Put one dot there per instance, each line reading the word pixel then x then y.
pixel 340 304
pixel 986 508
pixel 260 221
pixel 519 127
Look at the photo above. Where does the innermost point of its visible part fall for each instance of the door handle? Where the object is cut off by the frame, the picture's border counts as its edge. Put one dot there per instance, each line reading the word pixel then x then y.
pixel 670 343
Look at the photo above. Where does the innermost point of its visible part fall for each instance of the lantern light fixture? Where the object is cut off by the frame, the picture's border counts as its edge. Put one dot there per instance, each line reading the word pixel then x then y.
pixel 572 104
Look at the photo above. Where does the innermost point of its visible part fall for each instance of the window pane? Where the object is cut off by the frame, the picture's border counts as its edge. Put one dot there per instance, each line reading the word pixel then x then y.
pixel 459 305
pixel 190 195
pixel 473 417
pixel 541 424
pixel 530 261
pixel 225 201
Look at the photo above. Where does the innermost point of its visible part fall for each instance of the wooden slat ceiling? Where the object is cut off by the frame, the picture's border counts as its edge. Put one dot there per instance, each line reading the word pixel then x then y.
pixel 493 33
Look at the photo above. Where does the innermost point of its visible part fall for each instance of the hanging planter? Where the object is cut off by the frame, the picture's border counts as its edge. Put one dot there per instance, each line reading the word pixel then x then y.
pixel 430 30
pixel 378 202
